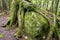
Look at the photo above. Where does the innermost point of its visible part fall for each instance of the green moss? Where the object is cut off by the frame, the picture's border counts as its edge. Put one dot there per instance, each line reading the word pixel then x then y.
pixel 34 24
pixel 1 35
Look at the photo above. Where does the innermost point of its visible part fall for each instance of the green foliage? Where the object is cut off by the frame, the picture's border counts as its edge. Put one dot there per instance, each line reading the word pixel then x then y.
pixel 35 2
pixel 58 31
pixel 1 35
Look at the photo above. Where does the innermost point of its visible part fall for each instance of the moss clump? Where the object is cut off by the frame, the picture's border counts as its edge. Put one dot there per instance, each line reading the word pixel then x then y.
pixel 35 25
pixel 1 35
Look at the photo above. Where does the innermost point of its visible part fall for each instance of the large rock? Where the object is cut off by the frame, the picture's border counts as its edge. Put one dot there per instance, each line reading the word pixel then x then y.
pixel 36 25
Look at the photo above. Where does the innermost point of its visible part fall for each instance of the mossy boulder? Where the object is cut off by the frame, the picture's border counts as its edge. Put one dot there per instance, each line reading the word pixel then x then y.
pixel 36 25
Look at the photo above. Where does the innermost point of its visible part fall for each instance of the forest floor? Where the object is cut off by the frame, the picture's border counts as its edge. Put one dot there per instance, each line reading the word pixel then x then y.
pixel 7 34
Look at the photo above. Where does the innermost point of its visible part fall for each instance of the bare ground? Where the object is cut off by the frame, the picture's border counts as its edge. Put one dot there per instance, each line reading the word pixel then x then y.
pixel 7 34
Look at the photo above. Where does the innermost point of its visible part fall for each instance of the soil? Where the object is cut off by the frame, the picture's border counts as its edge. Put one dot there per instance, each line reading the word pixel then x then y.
pixel 7 34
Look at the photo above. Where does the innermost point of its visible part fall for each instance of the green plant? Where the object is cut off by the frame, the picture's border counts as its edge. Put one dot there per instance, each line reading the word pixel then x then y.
pixel 1 35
